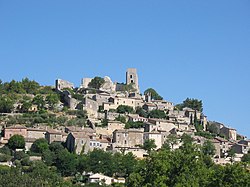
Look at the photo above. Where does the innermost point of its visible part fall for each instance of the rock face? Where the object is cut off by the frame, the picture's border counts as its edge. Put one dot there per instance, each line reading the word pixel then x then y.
pixel 108 86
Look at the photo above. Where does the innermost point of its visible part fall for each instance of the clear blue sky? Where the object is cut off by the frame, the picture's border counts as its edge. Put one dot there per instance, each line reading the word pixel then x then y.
pixel 185 48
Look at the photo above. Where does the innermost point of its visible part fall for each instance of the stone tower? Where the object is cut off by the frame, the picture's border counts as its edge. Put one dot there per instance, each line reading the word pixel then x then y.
pixel 132 77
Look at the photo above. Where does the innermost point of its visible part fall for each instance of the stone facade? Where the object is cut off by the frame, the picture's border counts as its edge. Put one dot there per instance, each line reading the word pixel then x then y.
pixel 62 84
pixel 229 133
pixel 136 118
pixel 132 77
pixel 91 107
pixel 112 126
pixel 114 102
pixel 15 130
pixel 36 133
pixel 85 82
pixel 55 136
pixel 156 136
pixel 127 138
pixel 159 125
pixel 163 105
pixel 78 142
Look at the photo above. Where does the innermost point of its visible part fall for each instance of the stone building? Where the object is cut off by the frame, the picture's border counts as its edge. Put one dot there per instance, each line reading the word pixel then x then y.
pixel 136 118
pixel 82 142
pixel 163 105
pixel 112 126
pixel 240 148
pixel 62 84
pixel 69 100
pixel 15 130
pixel 132 77
pixel 229 133
pixel 91 106
pixel 36 133
pixel 127 138
pixel 114 102
pixel 85 82
pixel 156 136
pixel 78 142
pixel 159 125
pixel 55 136
pixel 149 106
pixel 222 146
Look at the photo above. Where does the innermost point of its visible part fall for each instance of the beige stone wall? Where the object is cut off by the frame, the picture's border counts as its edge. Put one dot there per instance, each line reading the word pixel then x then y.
pixel 35 134
pixel 128 138
pixel 10 132
pixel 157 137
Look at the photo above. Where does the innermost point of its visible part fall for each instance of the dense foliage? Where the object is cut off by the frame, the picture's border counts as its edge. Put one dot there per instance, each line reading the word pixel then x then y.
pixel 96 82
pixel 194 104
pixel 16 142
pixel 153 93
pixel 159 114
pixel 122 109
pixel 187 166
pixel 190 165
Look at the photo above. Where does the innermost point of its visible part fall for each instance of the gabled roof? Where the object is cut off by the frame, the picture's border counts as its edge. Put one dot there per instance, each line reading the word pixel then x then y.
pixel 16 127
pixel 221 139
pixel 79 135
pixel 53 131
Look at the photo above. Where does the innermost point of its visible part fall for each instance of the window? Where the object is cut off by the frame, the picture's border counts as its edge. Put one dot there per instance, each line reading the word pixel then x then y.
pixel 132 81
pixel 125 142
pixel 94 144
pixel 90 143
pixel 131 76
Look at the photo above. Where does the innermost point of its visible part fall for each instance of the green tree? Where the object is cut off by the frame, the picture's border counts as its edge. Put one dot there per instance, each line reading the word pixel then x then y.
pixel 40 145
pixel 159 114
pixel 195 104
pixel 26 106
pixel 49 157
pixel 66 163
pixel 246 158
pixel 16 142
pixel 129 87
pixel 208 148
pixel 172 140
pixel 154 94
pixel 39 101
pixel 96 83
pixel 141 112
pixel 122 109
pixel 19 155
pixel 135 125
pixel 56 147
pixel 121 119
pixel 6 104
pixel 31 87
pixel 52 100
pixel 149 145
pixel 99 161
pixel 5 158
pixel 231 154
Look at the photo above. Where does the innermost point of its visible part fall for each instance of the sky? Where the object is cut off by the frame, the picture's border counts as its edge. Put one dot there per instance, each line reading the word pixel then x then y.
pixel 184 48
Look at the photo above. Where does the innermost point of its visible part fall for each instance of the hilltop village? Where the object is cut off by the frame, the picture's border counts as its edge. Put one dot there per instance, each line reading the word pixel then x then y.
pixel 110 116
